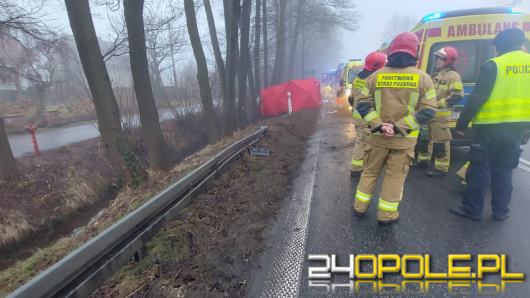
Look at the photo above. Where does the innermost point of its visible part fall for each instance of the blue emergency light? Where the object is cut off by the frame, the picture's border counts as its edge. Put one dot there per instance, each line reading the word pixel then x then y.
pixel 432 16
pixel 517 10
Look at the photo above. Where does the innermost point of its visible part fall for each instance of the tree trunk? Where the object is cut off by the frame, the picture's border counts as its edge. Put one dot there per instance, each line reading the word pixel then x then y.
pixel 171 49
pixel 8 164
pixel 294 40
pixel 257 33
pixel 253 96
pixel 202 72
pixel 265 46
pixel 157 150
pixel 216 50
pixel 278 70
pixel 244 61
pixel 40 89
pixel 119 154
pixel 234 10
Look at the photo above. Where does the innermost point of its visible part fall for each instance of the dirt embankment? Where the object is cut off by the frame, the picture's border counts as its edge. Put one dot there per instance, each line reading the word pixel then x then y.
pixel 62 189
pixel 286 141
pixel 211 248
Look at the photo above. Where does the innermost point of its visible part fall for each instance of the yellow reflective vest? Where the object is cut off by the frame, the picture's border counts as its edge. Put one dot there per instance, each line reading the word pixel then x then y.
pixel 358 86
pixel 510 97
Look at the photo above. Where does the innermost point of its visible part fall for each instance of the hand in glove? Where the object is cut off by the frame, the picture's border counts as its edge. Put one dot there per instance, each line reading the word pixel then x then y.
pixel 453 100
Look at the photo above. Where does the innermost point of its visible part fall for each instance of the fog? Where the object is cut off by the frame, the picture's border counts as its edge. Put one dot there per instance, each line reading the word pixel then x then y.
pixel 368 37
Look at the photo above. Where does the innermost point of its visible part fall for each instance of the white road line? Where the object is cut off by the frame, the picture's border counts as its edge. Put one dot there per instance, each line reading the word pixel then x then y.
pixel 283 277
pixel 524 162
pixel 524 168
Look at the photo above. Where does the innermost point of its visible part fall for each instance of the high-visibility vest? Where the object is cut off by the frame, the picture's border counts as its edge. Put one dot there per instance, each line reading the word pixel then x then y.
pixel 510 98
pixel 359 86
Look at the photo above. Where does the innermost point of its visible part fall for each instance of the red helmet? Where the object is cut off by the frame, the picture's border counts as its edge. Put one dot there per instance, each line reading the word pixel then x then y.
pixel 375 61
pixel 448 54
pixel 406 42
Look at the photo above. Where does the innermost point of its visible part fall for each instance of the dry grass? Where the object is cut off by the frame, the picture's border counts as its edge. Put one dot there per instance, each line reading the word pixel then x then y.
pixel 127 200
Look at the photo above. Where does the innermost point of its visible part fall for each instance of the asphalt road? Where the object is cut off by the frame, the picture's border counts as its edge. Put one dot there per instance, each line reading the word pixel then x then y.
pixel 425 227
pixel 52 138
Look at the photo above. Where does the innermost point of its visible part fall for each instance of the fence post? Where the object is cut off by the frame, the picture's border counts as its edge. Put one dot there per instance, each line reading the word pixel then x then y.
pixel 32 129
pixel 289 103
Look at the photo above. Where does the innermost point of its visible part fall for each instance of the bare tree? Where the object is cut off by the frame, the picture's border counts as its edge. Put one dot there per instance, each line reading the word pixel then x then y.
pixel 221 70
pixel 8 165
pixel 257 40
pixel 265 46
pixel 398 23
pixel 232 11
pixel 294 40
pixel 157 150
pixel 244 62
pixel 19 24
pixel 278 72
pixel 202 72
pixel 121 157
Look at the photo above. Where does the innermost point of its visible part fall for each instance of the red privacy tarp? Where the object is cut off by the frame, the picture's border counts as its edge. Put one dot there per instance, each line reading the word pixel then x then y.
pixel 304 94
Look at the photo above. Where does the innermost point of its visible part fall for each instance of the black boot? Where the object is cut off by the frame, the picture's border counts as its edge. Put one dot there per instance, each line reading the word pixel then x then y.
pixel 436 173
pixel 463 213
pixel 355 174
pixel 419 165
pixel 500 217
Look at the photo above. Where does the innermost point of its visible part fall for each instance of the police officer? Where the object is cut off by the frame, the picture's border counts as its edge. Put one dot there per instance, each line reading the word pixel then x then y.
pixel 397 99
pixel 499 108
pixel 449 91
pixel 373 62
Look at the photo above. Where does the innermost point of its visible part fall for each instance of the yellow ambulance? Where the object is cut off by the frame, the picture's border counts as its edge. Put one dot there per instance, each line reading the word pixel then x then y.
pixel 349 73
pixel 471 32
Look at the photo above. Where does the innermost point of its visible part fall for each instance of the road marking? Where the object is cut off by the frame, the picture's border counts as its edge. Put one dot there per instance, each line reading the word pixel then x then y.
pixel 524 165
pixel 283 277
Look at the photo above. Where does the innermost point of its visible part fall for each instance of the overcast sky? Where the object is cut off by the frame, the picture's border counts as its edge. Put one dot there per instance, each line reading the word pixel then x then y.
pixel 374 15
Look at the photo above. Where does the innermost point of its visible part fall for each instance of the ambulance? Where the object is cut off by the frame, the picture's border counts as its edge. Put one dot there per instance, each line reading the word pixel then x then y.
pixel 471 32
pixel 349 73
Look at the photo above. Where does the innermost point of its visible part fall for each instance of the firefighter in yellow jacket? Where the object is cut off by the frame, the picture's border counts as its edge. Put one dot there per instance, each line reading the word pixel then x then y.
pixel 373 62
pixel 399 98
pixel 449 91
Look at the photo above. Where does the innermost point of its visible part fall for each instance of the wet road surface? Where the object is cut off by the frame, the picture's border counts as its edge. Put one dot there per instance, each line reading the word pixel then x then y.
pixel 52 138
pixel 425 227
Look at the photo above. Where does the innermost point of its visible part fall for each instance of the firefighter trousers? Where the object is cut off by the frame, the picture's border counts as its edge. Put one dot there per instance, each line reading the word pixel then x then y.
pixel 439 145
pixel 359 148
pixel 396 164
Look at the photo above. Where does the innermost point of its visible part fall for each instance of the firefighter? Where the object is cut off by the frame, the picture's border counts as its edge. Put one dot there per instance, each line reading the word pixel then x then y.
pixel 436 140
pixel 499 108
pixel 397 100
pixel 373 62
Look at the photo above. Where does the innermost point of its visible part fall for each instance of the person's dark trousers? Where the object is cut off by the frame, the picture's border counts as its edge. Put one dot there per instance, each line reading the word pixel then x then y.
pixel 494 155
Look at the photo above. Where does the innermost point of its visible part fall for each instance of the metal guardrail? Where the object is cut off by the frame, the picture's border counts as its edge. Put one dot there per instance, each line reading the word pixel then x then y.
pixel 81 271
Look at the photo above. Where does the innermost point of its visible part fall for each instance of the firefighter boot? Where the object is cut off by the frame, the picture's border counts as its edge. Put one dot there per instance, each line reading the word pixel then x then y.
pixel 387 217
pixel 442 157
pixel 360 208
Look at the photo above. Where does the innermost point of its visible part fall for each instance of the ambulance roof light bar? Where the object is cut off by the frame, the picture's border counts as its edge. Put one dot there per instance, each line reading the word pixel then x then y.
pixel 432 16
pixel 469 12
pixel 518 10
